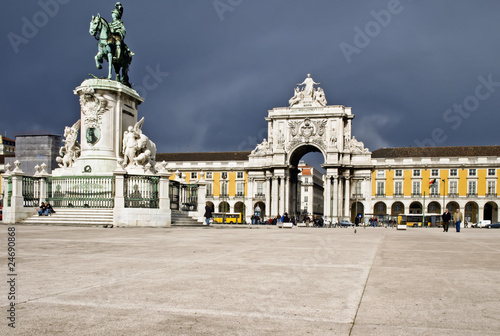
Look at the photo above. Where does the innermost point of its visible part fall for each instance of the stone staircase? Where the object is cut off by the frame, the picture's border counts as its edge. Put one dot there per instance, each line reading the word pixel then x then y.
pixel 74 217
pixel 97 217
pixel 180 218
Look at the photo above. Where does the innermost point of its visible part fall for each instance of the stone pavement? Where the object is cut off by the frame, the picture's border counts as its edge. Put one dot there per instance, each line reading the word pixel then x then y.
pixel 259 281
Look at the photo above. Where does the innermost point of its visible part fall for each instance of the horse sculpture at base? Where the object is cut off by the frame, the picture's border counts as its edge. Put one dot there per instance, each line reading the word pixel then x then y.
pixel 111 49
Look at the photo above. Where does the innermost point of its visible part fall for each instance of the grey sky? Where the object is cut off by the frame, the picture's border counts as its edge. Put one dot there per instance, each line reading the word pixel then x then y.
pixel 230 61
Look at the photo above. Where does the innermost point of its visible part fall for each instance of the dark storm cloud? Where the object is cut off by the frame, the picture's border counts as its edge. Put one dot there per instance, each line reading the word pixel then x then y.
pixel 221 65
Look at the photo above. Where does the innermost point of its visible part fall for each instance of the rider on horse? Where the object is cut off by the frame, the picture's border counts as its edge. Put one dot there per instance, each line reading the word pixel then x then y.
pixel 118 30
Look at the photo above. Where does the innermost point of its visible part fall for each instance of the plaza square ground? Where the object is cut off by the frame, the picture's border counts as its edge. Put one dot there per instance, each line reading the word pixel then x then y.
pixel 253 281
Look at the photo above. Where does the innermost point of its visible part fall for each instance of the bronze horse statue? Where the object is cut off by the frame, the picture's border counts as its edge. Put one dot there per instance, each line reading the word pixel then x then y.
pixel 99 28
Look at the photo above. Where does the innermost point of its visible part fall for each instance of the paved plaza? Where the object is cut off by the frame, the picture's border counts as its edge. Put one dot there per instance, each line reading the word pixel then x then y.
pixel 253 281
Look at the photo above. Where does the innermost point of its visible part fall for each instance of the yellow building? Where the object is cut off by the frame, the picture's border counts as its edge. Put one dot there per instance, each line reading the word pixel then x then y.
pixel 224 174
pixel 410 181
pixel 7 146
pixel 428 179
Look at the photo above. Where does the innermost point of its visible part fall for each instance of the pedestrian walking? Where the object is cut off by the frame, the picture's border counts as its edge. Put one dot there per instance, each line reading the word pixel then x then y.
pixel 208 213
pixel 446 220
pixel 458 218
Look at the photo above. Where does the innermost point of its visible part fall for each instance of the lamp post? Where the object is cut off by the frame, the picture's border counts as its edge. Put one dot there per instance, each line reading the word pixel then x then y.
pixel 444 192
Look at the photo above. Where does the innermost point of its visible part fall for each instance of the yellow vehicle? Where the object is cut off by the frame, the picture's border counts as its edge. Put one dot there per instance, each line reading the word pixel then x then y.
pixel 227 217
pixel 415 220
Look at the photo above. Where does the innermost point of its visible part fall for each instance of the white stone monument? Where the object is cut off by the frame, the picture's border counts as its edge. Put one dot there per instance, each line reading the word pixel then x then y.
pixel 108 109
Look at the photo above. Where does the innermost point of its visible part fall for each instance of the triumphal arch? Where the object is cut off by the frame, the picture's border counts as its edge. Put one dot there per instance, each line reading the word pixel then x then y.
pixel 307 125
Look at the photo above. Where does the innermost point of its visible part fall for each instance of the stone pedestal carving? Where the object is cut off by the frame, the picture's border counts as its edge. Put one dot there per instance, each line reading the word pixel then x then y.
pixel 108 108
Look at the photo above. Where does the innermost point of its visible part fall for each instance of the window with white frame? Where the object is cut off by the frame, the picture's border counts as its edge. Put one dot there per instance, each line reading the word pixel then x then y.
pixel 415 188
pixel 435 172
pixel 306 189
pixel 453 188
pixel 416 172
pixel 399 173
pixel 453 172
pixel 240 189
pixel 306 198
pixel 472 188
pixel 208 175
pixel 380 173
pixel 210 189
pixel 357 187
pixel 224 188
pixel 491 172
pixel 398 188
pixel 472 172
pixel 380 188
pixel 434 188
pixel 492 188
pixel 194 176
pixel 239 175
pixel 223 175
pixel 260 189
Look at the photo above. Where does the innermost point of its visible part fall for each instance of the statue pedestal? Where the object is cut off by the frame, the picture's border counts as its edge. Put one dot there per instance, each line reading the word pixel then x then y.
pixel 108 108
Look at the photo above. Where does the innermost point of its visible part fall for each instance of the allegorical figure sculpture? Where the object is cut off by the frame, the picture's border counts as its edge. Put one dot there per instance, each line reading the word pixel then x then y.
pixel 137 149
pixel 358 146
pixel 308 95
pixel 261 149
pixel 71 149
pixel 111 45
pixel 319 96
pixel 308 85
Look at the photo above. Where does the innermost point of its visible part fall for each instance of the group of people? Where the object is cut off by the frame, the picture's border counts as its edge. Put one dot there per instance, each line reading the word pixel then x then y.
pixel 316 221
pixel 45 209
pixel 255 219
pixel 447 218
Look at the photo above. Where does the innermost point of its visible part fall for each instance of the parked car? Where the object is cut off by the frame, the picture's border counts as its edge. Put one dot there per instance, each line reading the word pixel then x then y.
pixel 493 226
pixel 481 223
pixel 345 224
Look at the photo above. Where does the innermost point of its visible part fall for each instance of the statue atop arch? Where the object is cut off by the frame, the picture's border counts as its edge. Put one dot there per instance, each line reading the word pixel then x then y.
pixel 261 149
pixel 306 95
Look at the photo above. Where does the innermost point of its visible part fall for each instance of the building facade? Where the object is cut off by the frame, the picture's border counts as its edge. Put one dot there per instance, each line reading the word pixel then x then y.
pixel 311 190
pixel 390 181
pixel 7 146
pixel 430 179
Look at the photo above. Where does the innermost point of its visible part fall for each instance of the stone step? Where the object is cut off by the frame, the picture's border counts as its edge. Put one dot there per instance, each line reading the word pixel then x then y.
pixel 71 223
pixel 74 217
pixel 179 218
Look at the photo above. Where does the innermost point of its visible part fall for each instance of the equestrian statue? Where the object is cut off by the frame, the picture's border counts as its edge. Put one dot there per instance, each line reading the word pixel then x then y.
pixel 111 45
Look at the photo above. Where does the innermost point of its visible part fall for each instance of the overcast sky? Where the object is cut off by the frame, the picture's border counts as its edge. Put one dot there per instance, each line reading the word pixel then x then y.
pixel 415 73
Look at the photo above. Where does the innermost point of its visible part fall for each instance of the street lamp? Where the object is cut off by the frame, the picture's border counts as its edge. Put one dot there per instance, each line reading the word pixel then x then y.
pixel 444 192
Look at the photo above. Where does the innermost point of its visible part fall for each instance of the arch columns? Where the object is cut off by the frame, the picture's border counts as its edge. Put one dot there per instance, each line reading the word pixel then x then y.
pixel 282 195
pixel 327 196
pixel 274 196
pixel 286 191
pixel 347 197
pixel 335 203
pixel 268 194
pixel 340 197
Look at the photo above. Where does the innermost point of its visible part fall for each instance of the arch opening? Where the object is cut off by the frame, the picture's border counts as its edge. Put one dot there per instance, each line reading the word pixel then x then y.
pixel 306 182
